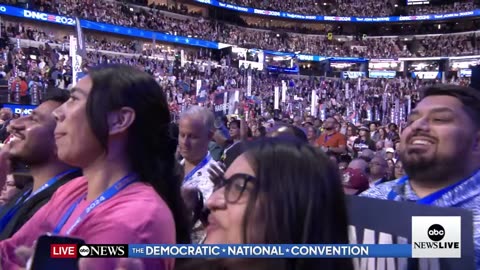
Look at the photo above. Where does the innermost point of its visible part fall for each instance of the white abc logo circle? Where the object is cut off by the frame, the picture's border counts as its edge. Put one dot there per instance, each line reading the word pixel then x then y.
pixel 435 232
pixel 84 250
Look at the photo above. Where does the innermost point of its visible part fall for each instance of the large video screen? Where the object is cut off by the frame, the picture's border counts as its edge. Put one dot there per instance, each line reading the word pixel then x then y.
pixel 281 61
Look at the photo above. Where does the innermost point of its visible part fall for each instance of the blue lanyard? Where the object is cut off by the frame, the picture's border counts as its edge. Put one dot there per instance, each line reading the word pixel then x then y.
pixel 26 196
pixel 50 182
pixel 430 199
pixel 106 195
pixel 327 137
pixel 197 168
pixel 13 210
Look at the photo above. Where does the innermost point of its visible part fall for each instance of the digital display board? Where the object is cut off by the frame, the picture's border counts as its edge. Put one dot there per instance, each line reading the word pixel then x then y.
pixel 417 2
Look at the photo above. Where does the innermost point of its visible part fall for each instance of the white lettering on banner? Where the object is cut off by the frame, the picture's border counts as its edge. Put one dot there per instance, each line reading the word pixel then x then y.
pixel 298 16
pixel 414 18
pixel 50 18
pixel 3 9
pixel 424 17
pixel 465 73
pixel 222 107
pixel 382 74
pixel 232 7
pixel 380 19
pixel 370 237
pixel 23 111
pixel 427 75
pixel 266 12
pixel 353 74
pixel 334 18
pixel 205 1
pixel 468 13
pixel 35 15
pixel 305 57
pixel 64 20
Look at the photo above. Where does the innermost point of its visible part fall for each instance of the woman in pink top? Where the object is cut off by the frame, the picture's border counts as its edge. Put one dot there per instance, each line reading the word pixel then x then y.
pixel 114 127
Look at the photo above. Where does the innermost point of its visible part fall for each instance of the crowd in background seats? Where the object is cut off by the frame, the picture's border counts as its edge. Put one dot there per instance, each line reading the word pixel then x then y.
pixel 460 6
pixel 116 13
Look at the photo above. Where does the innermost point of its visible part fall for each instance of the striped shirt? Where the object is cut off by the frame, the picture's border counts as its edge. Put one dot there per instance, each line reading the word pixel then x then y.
pixel 466 196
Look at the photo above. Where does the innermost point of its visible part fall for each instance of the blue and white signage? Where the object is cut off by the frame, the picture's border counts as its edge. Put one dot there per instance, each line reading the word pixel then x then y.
pixel 19 108
pixel 105 27
pixel 427 75
pixel 465 73
pixel 387 74
pixel 353 74
pixel 288 15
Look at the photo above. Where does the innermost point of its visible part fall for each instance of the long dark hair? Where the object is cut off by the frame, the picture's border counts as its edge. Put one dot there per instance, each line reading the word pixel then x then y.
pixel 304 202
pixel 297 199
pixel 150 146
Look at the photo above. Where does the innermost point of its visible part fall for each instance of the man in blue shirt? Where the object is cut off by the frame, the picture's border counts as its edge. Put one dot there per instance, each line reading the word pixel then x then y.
pixel 440 152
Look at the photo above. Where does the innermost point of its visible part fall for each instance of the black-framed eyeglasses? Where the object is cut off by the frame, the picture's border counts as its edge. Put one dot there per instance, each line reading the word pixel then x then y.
pixel 235 186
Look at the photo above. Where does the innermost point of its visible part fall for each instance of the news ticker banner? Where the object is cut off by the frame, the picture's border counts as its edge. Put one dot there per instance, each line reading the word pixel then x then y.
pixel 231 251
pixel 240 251
pixel 432 237
pixel 281 14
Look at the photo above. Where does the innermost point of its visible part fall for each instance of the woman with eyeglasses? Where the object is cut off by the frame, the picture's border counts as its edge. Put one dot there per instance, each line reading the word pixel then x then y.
pixel 115 127
pixel 279 191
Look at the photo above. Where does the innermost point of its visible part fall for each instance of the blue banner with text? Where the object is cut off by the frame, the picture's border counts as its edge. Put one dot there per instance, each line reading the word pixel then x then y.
pixel 281 14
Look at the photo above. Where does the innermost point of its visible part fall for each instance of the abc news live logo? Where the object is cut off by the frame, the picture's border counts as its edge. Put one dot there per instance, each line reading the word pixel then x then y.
pixel 71 251
pixel 436 237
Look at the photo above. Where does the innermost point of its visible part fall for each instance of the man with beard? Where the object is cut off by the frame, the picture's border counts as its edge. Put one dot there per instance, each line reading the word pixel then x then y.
pixel 440 152
pixel 33 143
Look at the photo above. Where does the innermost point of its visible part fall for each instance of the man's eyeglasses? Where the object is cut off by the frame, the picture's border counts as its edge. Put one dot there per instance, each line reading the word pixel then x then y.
pixel 234 186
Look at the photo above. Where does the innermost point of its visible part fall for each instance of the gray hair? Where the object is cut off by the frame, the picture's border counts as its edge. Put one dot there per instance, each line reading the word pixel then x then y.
pixel 200 113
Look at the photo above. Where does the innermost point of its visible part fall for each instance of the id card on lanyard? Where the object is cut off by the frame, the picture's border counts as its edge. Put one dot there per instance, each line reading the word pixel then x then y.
pixel 106 195
pixel 199 166
pixel 27 195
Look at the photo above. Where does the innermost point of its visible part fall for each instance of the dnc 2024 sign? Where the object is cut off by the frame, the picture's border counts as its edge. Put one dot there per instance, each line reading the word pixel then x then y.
pixel 19 108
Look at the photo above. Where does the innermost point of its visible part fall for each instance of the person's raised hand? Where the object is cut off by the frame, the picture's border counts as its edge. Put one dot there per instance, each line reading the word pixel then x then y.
pixel 216 172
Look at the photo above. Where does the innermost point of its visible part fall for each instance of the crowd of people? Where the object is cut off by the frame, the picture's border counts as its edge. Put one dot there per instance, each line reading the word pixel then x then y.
pixel 372 48
pixel 358 8
pixel 219 187
pixel 53 66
